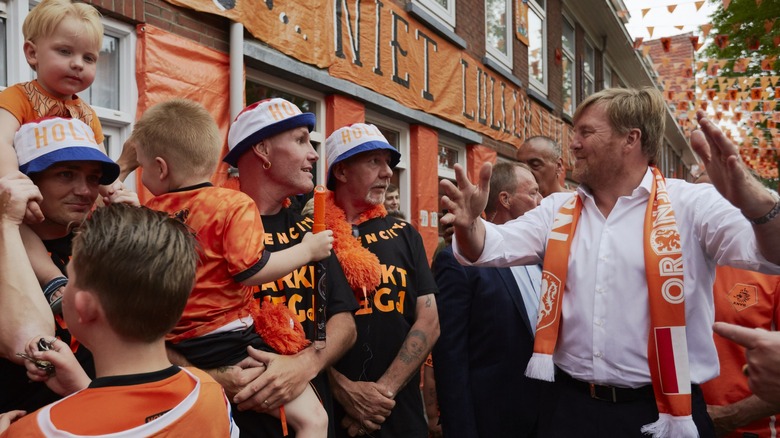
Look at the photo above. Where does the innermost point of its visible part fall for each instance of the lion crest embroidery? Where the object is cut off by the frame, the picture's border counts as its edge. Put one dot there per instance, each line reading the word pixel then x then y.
pixel 551 287
pixel 665 240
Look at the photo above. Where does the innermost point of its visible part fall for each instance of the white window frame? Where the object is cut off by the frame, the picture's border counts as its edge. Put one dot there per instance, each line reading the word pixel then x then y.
pixel 504 59
pixel 534 8
pixel 585 74
pixel 16 11
pixel 402 169
pixel 446 15
pixel 571 56
pixel 450 173
pixel 317 135
pixel 607 74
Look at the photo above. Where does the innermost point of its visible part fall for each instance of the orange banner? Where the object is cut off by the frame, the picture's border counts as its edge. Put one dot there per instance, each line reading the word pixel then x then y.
pixel 379 46
pixel 169 66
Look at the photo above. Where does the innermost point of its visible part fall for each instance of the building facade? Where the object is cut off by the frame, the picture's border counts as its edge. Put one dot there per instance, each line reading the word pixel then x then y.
pixel 447 81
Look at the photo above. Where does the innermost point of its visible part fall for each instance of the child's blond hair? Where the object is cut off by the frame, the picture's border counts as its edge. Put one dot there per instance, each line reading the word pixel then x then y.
pixel 44 18
pixel 182 133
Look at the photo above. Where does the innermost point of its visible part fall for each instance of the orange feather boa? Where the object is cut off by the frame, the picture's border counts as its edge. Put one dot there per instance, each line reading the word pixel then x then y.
pixel 361 266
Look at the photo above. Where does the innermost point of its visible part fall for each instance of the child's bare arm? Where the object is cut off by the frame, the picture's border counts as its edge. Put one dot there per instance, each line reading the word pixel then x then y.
pixel 44 267
pixel 313 247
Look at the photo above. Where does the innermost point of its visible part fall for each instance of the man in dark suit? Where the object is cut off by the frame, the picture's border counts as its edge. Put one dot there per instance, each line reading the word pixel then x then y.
pixel 487 318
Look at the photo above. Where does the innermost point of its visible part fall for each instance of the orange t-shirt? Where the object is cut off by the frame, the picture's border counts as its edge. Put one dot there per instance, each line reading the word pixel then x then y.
pixel 28 101
pixel 171 402
pixel 749 299
pixel 229 231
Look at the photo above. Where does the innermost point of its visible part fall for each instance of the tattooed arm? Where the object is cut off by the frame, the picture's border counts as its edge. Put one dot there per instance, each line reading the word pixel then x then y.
pixel 416 347
pixel 368 404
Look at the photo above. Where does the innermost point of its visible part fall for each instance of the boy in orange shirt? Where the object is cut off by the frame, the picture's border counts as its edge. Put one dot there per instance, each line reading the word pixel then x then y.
pixel 130 277
pixel 178 147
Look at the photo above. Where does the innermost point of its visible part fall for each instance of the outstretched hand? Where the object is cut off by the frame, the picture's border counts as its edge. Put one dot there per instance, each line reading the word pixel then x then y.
pixel 466 201
pixel 725 168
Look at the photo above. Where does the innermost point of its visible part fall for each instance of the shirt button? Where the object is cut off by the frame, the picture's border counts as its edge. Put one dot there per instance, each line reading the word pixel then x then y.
pixel 598 322
pixel 597 354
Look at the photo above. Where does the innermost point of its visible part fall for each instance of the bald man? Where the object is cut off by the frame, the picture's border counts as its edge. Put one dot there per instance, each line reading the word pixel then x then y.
pixel 543 155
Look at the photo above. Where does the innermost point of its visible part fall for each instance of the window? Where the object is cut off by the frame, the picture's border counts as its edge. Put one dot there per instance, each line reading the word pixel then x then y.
pixel 104 92
pixel 569 91
pixel 588 70
pixel 537 45
pixel 498 37
pixel 607 75
pixel 449 155
pixel 261 86
pixel 443 10
pixel 397 134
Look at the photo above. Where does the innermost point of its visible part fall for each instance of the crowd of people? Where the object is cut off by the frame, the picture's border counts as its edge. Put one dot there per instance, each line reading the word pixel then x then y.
pixel 216 311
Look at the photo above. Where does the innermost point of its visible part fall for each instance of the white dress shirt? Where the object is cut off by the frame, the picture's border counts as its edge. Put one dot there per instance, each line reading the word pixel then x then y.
pixel 605 324
pixel 529 281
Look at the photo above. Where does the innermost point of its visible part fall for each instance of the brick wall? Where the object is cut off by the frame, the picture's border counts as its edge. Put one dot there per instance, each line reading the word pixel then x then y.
pixel 209 30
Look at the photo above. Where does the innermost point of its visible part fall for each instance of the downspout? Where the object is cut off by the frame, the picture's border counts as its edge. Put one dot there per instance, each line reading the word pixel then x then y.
pixel 236 69
pixel 236 76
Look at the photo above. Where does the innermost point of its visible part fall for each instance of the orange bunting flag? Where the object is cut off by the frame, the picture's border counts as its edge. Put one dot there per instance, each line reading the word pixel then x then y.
pixel 726 4
pixel 756 93
pixel 713 69
pixel 758 3
pixel 722 40
pixel 650 30
pixel 705 29
pixel 769 24
pixel 732 94
pixel 776 117
pixel 753 43
pixel 711 94
pixel 682 105
pixel 690 95
pixel 726 106
pixel 666 44
pixel 768 106
pixel 718 115
pixel 740 65
pixel 776 40
pixel 737 116
pixel 645 50
pixel 698 5
pixel 680 27
pixel 767 63
pixel 703 105
pixel 670 95
pixel 645 11
pixel 638 42
pixel 777 92
pixel 688 72
pixel 671 8
pixel 695 43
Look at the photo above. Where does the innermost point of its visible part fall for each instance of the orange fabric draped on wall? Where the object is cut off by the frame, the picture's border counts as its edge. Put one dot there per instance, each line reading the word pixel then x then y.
pixel 169 66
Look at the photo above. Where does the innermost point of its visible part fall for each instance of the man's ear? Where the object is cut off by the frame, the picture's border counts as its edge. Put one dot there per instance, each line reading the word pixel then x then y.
pixel 503 198
pixel 261 152
pixel 31 53
pixel 634 137
pixel 340 171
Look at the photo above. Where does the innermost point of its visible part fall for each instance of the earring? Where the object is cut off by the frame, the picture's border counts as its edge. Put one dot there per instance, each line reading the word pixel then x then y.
pixel 267 165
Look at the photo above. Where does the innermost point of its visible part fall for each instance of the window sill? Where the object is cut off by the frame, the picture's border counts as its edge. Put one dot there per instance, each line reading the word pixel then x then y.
pixel 503 71
pixel 436 25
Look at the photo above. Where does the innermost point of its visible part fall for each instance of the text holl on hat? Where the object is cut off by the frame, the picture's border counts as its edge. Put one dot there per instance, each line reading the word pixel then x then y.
pixel 358 130
pixel 61 131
